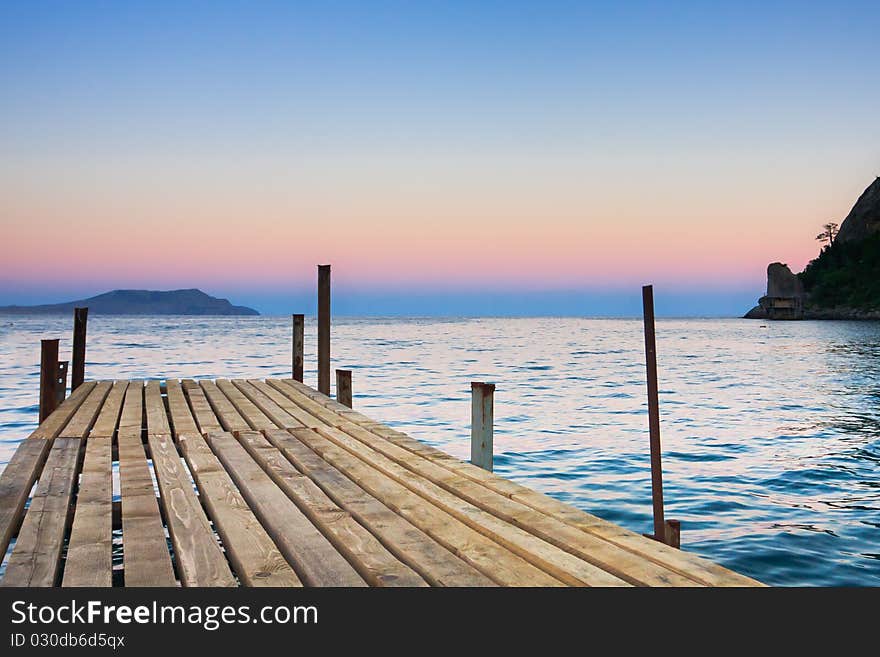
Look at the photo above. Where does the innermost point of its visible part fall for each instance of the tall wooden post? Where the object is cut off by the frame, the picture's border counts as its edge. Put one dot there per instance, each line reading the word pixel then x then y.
pixel 324 329
pixel 343 387
pixel 653 413
pixel 482 419
pixel 298 335
pixel 48 377
pixel 78 371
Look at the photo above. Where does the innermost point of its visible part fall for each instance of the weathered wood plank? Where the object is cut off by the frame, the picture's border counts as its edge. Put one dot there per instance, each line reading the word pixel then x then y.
pixel 89 559
pixel 268 388
pixel 200 561
pixel 145 557
pixel 157 416
pixel 230 418
pixel 36 557
pixel 374 563
pixel 312 556
pixel 53 425
pixel 267 406
pixel 16 483
pixel 182 420
pixel 690 566
pixel 81 422
pixel 255 418
pixel 205 417
pixel 108 418
pixel 500 564
pixel 432 561
pixel 553 560
pixel 255 558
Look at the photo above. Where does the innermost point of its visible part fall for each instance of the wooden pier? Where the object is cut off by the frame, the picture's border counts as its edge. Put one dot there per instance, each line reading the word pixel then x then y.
pixel 271 483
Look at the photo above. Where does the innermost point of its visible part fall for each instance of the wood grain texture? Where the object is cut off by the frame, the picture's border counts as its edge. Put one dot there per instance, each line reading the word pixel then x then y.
pixel 154 404
pixel 53 425
pixel 370 558
pixel 108 417
pixel 89 551
pixel 312 556
pixel 182 420
pixel 204 415
pixel 497 562
pixel 145 556
pixel 278 416
pixel 199 559
pixel 432 561
pixel 690 566
pixel 230 418
pixel 16 483
pixel 255 418
pixel 81 422
pixel 36 557
pixel 255 558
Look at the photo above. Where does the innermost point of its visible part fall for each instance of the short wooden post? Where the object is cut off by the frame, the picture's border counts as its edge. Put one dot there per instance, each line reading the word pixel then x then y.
pixel 324 329
pixel 48 377
pixel 62 381
pixel 298 335
pixel 653 413
pixel 482 419
pixel 78 373
pixel 673 533
pixel 343 387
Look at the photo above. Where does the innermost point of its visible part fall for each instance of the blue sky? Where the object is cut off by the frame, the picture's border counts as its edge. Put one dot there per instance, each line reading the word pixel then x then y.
pixel 445 157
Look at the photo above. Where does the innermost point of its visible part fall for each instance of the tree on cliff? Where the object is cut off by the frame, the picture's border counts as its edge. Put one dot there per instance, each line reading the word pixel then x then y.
pixel 829 232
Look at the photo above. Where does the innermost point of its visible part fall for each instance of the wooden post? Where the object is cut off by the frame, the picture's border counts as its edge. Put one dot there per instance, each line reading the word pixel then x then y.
pixel 482 418
pixel 653 413
pixel 78 373
pixel 48 377
pixel 298 334
pixel 61 381
pixel 324 329
pixel 673 533
pixel 343 387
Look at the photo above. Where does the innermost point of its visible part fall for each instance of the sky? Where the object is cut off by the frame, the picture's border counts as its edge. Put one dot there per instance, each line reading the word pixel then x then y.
pixel 445 157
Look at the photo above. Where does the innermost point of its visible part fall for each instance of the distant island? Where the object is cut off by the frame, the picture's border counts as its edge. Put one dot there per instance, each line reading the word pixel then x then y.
pixel 140 302
pixel 843 282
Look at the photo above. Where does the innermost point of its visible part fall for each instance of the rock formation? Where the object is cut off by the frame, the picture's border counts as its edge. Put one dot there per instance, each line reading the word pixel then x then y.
pixel 864 218
pixel 785 295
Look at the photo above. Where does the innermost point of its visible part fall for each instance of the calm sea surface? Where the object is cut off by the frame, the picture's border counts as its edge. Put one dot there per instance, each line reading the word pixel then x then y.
pixel 771 431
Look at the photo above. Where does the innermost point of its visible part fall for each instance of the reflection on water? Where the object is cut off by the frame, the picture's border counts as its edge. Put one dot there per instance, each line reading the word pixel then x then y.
pixel 770 430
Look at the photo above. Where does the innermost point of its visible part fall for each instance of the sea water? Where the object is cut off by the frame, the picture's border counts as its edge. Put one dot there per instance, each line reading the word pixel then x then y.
pixel 770 430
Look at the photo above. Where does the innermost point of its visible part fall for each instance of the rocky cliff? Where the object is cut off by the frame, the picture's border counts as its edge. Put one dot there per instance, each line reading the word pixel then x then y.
pixel 843 282
pixel 141 302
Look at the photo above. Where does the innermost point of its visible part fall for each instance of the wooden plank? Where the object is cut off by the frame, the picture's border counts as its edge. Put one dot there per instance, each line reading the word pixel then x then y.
pixel 200 561
pixel 19 475
pixel 693 566
pixel 201 408
pixel 255 418
pixel 89 552
pixel 53 425
pixel 373 562
pixel 36 557
pixel 16 483
pixel 312 556
pixel 145 557
pixel 157 416
pixel 689 565
pixel 275 413
pixel 255 558
pixel 553 560
pixel 81 422
pixel 108 418
pixel 602 554
pixel 230 419
pixel 437 565
pixel 182 421
pixel 500 564
pixel 291 408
